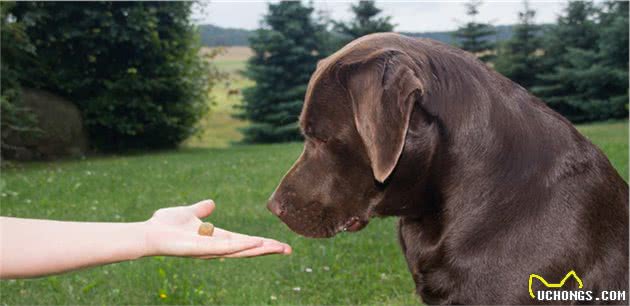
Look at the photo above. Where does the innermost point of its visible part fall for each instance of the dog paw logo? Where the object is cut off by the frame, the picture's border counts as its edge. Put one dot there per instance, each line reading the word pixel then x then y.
pixel 548 285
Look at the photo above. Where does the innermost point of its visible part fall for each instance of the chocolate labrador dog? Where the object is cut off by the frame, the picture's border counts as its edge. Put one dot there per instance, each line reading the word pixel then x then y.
pixel 490 184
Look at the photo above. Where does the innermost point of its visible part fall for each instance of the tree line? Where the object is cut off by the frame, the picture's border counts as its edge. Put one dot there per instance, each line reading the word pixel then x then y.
pixel 578 65
pixel 134 71
pixel 215 36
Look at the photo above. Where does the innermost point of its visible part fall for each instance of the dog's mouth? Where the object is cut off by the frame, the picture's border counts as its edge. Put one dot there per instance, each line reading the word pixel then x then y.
pixel 355 224
pixel 317 222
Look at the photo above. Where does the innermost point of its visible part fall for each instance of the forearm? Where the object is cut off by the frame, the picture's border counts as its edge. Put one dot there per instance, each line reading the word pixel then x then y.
pixel 38 247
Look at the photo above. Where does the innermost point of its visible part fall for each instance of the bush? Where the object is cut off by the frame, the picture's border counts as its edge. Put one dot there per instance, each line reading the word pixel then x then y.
pixel 132 68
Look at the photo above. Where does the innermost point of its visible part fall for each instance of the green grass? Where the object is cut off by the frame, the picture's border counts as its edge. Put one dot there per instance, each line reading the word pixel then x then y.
pixel 366 267
pixel 612 138
pixel 361 268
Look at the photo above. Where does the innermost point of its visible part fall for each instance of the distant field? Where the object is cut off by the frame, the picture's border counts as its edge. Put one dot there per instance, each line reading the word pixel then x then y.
pixel 233 58
pixel 219 127
pixel 236 53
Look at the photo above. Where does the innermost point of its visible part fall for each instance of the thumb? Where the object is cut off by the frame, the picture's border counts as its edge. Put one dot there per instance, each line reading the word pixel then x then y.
pixel 203 208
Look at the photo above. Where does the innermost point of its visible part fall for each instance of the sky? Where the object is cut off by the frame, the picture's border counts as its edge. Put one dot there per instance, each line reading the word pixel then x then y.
pixel 409 16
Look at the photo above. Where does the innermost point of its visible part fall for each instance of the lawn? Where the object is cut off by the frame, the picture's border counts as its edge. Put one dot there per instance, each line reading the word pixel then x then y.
pixel 361 268
pixel 366 267
pixel 612 138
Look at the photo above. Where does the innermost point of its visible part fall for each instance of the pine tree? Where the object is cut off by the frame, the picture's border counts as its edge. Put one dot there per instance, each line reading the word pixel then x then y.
pixel 570 52
pixel 600 74
pixel 286 52
pixel 518 59
pixel 366 21
pixel 613 57
pixel 476 37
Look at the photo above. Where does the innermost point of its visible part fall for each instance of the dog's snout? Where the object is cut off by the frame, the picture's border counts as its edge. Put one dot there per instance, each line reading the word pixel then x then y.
pixel 275 207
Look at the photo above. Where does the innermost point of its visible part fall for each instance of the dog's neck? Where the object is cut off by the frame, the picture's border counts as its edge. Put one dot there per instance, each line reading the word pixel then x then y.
pixel 498 146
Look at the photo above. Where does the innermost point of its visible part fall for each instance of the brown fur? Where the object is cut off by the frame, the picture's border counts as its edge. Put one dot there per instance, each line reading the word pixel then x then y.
pixel 490 185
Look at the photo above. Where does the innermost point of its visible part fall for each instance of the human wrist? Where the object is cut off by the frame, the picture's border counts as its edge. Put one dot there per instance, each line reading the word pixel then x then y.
pixel 141 246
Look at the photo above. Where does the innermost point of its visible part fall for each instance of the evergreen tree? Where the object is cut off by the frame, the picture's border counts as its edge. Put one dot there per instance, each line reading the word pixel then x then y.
pixel 286 52
pixel 518 59
pixel 366 21
pixel 613 57
pixel 579 74
pixel 600 74
pixel 476 37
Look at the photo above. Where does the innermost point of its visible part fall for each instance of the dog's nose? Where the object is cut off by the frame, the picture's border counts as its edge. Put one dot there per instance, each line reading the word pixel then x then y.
pixel 275 207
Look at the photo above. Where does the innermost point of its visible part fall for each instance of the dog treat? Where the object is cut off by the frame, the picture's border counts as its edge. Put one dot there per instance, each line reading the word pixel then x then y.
pixel 206 229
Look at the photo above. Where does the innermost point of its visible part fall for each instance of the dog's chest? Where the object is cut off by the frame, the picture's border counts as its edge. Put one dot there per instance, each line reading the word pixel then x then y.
pixel 440 276
pixel 437 280
pixel 426 261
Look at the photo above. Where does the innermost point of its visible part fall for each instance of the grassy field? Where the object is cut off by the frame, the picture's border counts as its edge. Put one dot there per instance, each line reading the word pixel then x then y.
pixel 361 268
pixel 612 138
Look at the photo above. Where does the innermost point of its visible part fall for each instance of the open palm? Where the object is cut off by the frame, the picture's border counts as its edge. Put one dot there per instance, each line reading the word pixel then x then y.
pixel 173 232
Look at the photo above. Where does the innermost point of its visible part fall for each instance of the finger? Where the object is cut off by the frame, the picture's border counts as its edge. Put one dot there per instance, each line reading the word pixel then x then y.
pixel 286 249
pixel 259 251
pixel 203 208
pixel 221 233
pixel 266 249
pixel 212 246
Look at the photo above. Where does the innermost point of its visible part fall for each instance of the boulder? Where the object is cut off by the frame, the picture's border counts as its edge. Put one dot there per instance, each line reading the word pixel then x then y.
pixel 61 129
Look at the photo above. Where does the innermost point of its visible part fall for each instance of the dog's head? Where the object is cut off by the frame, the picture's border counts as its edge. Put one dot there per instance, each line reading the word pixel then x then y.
pixel 355 121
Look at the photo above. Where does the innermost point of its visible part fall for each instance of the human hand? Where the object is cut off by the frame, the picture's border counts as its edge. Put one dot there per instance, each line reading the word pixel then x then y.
pixel 173 232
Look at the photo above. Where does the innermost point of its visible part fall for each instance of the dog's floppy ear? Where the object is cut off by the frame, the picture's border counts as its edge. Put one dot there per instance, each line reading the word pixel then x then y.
pixel 383 87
